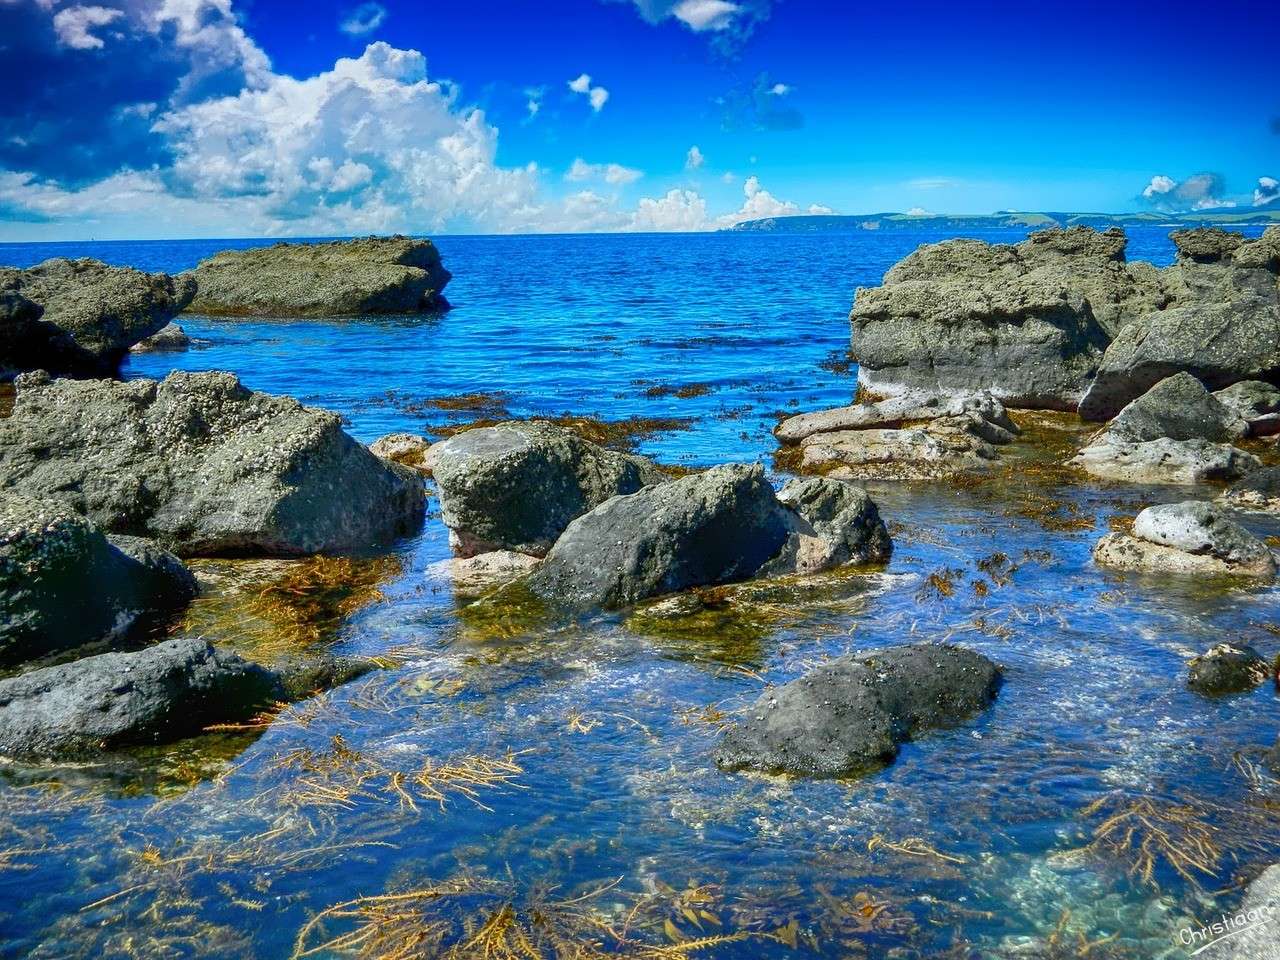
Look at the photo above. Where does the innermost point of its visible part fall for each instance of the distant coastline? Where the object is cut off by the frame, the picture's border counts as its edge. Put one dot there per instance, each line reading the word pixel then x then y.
pixel 1005 219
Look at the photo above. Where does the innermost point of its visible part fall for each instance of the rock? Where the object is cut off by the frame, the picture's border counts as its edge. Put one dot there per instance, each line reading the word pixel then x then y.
pixel 407 449
pixel 1216 266
pixel 472 576
pixel 1254 402
pixel 337 279
pixel 1165 461
pixel 1254 926
pixel 95 313
pixel 162 693
pixel 718 526
pixel 204 466
pixel 891 413
pixel 1227 668
pixel 857 710
pixel 516 486
pixel 169 337
pixel 1257 490
pixel 1177 408
pixel 300 676
pixel 831 523
pixel 1192 537
pixel 64 585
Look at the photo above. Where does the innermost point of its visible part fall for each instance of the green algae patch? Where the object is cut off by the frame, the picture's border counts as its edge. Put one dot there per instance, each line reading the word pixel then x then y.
pixel 509 612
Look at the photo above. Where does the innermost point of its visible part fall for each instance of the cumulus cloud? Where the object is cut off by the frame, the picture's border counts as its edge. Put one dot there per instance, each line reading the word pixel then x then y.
pixel 612 173
pixel 919 212
pixel 1200 191
pixel 727 22
pixel 73 25
pixel 694 158
pixel 679 211
pixel 365 18
pixel 819 210
pixel 1268 189
pixel 597 96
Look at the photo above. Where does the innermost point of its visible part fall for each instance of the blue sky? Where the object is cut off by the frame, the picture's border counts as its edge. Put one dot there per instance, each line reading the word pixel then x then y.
pixel 168 118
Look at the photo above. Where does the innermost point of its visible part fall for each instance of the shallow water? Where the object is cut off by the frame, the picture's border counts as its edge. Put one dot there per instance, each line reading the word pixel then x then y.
pixel 974 843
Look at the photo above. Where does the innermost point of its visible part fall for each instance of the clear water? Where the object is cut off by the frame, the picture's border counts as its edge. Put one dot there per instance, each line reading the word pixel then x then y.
pixel 973 844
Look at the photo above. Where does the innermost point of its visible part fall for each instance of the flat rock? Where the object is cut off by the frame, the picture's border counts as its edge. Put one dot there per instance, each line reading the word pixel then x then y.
pixel 1227 668
pixel 1192 537
pixel 204 466
pixel 857 710
pixel 64 585
pixel 941 448
pixel 162 693
pixel 893 413
pixel 406 449
pixel 831 523
pixel 517 485
pixel 92 314
pixel 342 278
pixel 1165 461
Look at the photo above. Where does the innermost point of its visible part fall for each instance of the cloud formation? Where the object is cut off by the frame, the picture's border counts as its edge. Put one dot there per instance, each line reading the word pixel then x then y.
pixel 1200 191
pixel 364 19
pixel 597 96
pixel 614 174
pixel 694 158
pixel 73 26
pixel 1267 190
pixel 729 23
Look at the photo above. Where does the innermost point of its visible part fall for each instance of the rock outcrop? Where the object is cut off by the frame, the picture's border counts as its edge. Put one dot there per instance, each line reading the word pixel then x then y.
pixel 64 585
pixel 857 710
pixel 516 486
pixel 1255 925
pixel 1254 402
pixel 339 279
pixel 831 523
pixel 1192 537
pixel 203 466
pixel 1225 669
pixel 169 338
pixel 92 314
pixel 406 449
pixel 113 700
pixel 893 413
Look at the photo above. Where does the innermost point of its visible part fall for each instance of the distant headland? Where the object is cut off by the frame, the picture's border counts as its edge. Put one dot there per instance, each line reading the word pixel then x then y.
pixel 1006 219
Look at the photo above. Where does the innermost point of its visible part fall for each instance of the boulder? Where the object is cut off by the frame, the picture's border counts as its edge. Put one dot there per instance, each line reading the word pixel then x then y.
pixel 1258 489
pixel 718 526
pixel 1254 402
pixel 170 337
pixel 93 314
pixel 64 585
pixel 1177 408
pixel 1164 461
pixel 338 279
pixel 892 413
pixel 406 449
pixel 1226 668
pixel 1192 537
pixel 112 700
pixel 1255 925
pixel 516 486
pixel 1214 265
pixel 831 523
pixel 473 576
pixel 856 711
pixel 204 466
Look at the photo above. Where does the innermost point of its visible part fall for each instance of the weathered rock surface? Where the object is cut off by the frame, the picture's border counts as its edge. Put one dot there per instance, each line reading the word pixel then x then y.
pixel 170 337
pixel 1254 402
pixel 406 449
pixel 1226 668
pixel 1177 408
pixel 857 710
pixel 891 413
pixel 516 486
pixel 831 523
pixel 117 699
pixel 204 466
pixel 1165 461
pixel 1192 537
pixel 473 576
pixel 1257 490
pixel 1256 938
pixel 63 584
pixel 337 279
pixel 93 314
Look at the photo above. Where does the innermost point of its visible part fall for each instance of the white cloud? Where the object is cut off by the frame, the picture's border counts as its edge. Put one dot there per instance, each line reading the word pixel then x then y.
pixel 597 96
pixel 1268 189
pixel 73 26
pixel 1159 186
pixel 918 212
pixel 779 89
pixel 727 21
pixel 699 15
pixel 819 210
pixel 582 84
pixel 365 18
pixel 1200 191
pixel 694 158
pixel 612 173
pixel 680 211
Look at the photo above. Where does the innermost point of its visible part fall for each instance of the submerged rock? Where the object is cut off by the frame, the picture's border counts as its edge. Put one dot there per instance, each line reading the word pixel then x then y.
pixel 170 337
pixel 1226 668
pixel 204 466
pixel 516 486
pixel 407 449
pixel 162 693
pixel 93 314
pixel 857 710
pixel 337 279
pixel 1192 537
pixel 473 576
pixel 64 585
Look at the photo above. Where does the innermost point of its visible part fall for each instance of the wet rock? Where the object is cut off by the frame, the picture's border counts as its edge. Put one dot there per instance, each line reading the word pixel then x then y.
pixel 892 413
pixel 1226 668
pixel 64 585
pixel 1177 408
pixel 857 710
pixel 718 526
pixel 304 675
pixel 112 700
pixel 1256 937
pixel 1254 402
pixel 1165 461
pixel 407 449
pixel 93 314
pixel 473 576
pixel 338 279
pixel 1192 537
pixel 831 523
pixel 1257 490
pixel 516 486
pixel 204 466
pixel 169 337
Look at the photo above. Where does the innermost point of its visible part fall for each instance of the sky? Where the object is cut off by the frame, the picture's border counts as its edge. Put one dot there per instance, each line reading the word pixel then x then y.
pixel 124 119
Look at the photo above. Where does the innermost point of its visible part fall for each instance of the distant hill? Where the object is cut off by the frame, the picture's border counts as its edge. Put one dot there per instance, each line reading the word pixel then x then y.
pixel 949 223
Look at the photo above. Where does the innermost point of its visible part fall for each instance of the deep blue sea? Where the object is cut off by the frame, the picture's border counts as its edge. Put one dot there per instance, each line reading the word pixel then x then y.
pixel 1056 824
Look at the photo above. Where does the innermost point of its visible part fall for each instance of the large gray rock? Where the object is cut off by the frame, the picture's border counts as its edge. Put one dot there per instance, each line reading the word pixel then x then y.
pixel 893 413
pixel 1192 537
pixel 1254 402
pixel 113 700
pixel 1226 668
pixel 93 314
pixel 718 526
pixel 1028 322
pixel 337 279
pixel 517 485
pixel 831 523
pixel 63 584
pixel 1177 408
pixel 1184 462
pixel 204 466
pixel 857 710
pixel 1255 931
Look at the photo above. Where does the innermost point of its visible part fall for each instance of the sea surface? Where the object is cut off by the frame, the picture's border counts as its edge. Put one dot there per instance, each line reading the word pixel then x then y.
pixel 507 783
